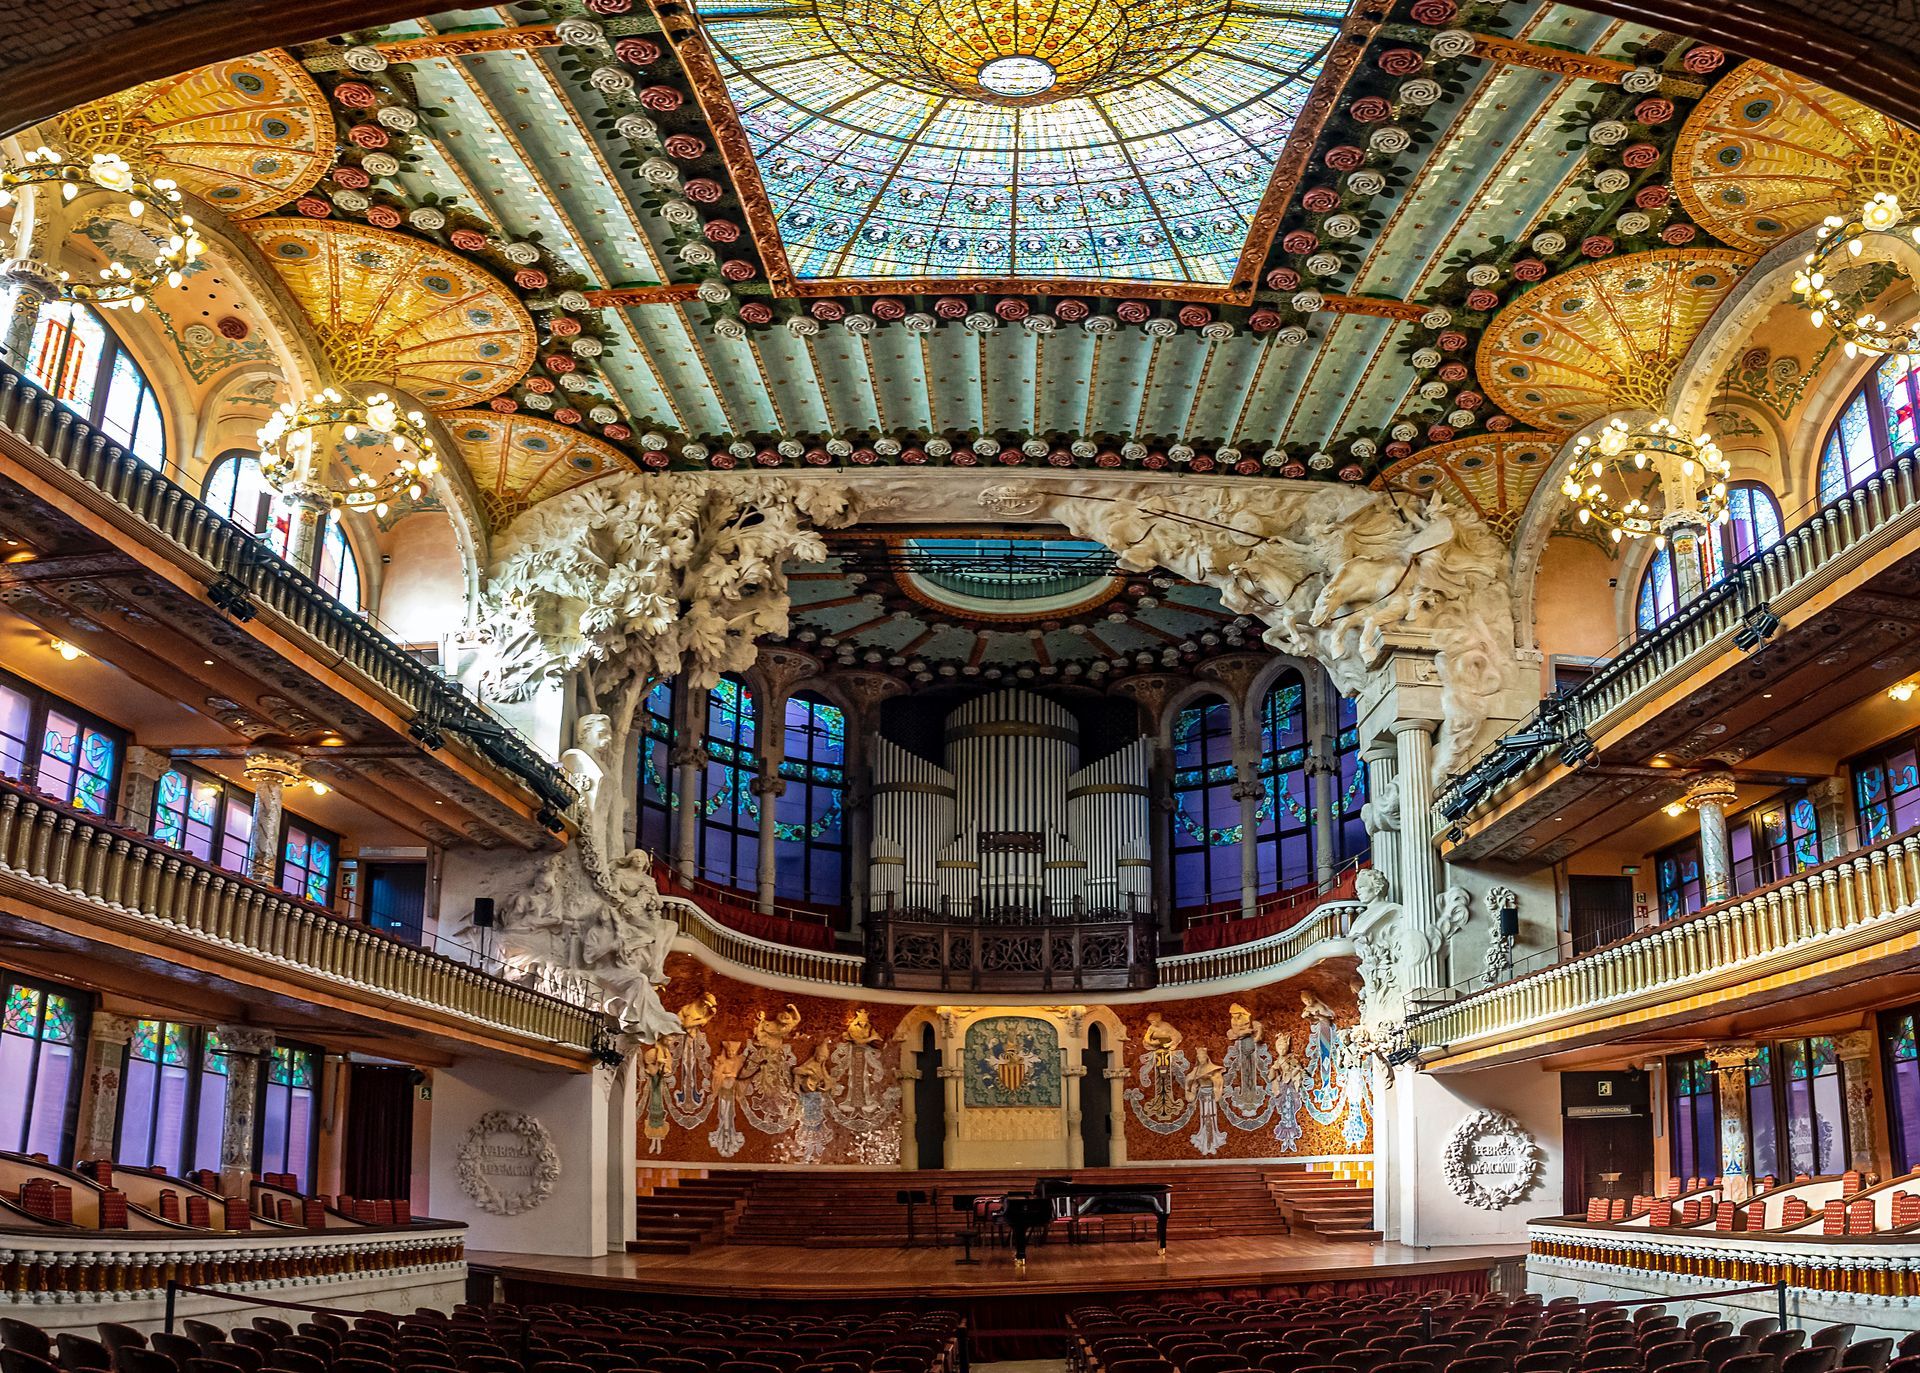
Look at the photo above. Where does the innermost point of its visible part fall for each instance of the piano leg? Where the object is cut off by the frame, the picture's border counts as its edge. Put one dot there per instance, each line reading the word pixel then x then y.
pixel 1018 1233
pixel 1160 1231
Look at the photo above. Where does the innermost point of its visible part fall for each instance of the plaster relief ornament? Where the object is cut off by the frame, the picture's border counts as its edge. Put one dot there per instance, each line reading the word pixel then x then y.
pixel 1491 1161
pixel 1338 575
pixel 610 588
pixel 507 1163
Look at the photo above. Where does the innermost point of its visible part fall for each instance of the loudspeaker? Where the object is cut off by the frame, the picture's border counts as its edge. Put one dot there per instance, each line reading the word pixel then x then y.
pixel 1509 923
pixel 483 912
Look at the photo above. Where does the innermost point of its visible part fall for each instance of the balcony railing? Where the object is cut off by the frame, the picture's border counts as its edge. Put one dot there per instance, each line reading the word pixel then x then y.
pixel 1882 1266
pixel 763 956
pixel 1849 903
pixel 1001 946
pixel 59 852
pixel 1838 539
pixel 246 574
pixel 1327 922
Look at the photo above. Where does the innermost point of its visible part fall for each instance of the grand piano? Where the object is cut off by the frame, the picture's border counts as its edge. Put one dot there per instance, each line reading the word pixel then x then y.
pixel 1062 1199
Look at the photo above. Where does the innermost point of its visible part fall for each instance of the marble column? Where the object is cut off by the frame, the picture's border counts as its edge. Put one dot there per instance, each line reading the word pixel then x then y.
pixel 1248 791
pixel 269 772
pixel 1832 799
pixel 247 1052
pixel 767 791
pixel 1419 873
pixel 1323 781
pixel 1383 833
pixel 1708 796
pixel 1859 1064
pixel 1730 1063
pixel 909 1111
pixel 140 772
pixel 107 1038
pixel 1117 1112
pixel 686 761
pixel 950 1075
pixel 1071 1074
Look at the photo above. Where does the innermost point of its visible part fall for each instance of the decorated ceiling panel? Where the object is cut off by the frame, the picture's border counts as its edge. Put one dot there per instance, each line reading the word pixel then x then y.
pixel 1435 183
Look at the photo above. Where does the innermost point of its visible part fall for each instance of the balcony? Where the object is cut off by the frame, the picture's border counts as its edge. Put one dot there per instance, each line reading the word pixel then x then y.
pixel 1013 945
pixel 1807 940
pixel 132 905
pixel 1827 617
pixel 104 526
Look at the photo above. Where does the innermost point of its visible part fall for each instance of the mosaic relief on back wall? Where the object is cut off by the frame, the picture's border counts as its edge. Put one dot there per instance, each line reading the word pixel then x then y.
pixel 759 1077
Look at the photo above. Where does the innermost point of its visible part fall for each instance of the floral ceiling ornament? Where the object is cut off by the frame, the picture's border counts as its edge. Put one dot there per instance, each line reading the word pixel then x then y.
pixel 175 242
pixel 1837 289
pixel 1616 471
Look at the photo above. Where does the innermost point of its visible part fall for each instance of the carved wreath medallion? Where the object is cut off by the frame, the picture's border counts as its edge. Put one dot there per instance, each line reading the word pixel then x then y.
pixel 1491 1161
pixel 528 1157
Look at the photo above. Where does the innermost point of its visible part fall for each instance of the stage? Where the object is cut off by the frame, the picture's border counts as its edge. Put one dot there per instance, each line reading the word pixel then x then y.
pixel 1062 1273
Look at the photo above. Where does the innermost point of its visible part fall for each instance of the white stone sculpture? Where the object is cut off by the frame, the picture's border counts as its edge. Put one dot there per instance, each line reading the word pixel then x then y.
pixel 1381 814
pixel 1336 573
pixel 613 587
pixel 507 1163
pixel 1491 1161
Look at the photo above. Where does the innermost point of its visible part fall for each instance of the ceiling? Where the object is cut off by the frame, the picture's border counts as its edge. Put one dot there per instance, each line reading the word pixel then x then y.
pixel 1398 241
pixel 968 604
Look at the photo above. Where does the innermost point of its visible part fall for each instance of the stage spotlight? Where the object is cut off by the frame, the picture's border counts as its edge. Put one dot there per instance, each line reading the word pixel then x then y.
pixel 1756 627
pixel 1576 749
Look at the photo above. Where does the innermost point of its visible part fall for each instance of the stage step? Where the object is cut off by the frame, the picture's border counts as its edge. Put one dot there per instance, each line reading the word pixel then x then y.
pixel 686 1213
pixel 1322 1204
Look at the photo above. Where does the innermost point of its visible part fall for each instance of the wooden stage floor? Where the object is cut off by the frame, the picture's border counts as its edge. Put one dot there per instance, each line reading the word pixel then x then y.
pixel 798 1273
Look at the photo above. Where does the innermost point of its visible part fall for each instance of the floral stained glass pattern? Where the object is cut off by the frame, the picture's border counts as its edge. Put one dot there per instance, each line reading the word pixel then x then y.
pixel 39 1069
pixel 902 139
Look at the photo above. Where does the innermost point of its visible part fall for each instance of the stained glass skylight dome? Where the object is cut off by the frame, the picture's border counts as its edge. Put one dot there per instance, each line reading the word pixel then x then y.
pixel 1077 140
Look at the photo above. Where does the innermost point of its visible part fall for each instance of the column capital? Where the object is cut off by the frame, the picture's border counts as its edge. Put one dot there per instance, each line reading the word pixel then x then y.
pixel 1411 724
pixel 1729 1058
pixel 1854 1045
pixel 31 272
pixel 244 1039
pixel 272 767
pixel 145 763
pixel 111 1029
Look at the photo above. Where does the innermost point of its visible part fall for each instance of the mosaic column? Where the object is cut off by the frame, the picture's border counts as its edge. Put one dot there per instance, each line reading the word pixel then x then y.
pixel 245 1048
pixel 689 755
pixel 1419 875
pixel 270 772
pixel 107 1040
pixel 1684 541
pixel 950 1077
pixel 140 772
pixel 35 289
pixel 308 508
pixel 1708 797
pixel 1730 1063
pixel 909 1111
pixel 1858 1068
pixel 1247 791
pixel 1383 834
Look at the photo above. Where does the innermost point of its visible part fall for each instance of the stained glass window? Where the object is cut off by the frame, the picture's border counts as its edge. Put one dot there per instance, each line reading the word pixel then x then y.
pixel 657 800
pixel 1206 814
pixel 1751 526
pixel 236 490
pixel 729 811
pixel 956 138
pixel 190 812
pixel 306 863
pixel 809 825
pixel 1676 875
pixel 1903 1087
pixel 288 1121
pixel 1784 840
pixel 156 1098
pixel 1694 1117
pixel 1761 1112
pixel 73 356
pixel 40 1049
pixel 16 737
pixel 77 763
pixel 1352 779
pixel 210 1103
pixel 1283 813
pixel 1876 428
pixel 1886 789
pixel 1816 1120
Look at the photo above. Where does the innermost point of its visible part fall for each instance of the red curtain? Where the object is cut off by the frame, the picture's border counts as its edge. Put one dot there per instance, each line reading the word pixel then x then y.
pixel 377 1161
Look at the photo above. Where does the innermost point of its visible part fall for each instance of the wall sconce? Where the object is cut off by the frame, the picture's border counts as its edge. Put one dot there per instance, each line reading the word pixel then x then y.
pixel 67 650
pixel 1675 808
pixel 1903 691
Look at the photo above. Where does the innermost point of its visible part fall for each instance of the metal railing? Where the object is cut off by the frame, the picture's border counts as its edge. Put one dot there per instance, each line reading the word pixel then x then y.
pixel 54 850
pixel 1848 903
pixel 247 575
pixel 1833 541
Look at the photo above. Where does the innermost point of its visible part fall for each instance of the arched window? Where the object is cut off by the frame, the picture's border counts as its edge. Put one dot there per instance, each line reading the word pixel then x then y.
pixel 657 798
pixel 1353 840
pixel 1752 525
pixel 1206 817
pixel 729 811
pixel 1876 428
pixel 1283 818
pixel 810 838
pixel 236 490
pixel 79 360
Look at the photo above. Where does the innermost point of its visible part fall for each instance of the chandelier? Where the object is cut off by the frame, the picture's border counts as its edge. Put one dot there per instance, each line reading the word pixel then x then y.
pixel 296 439
pixel 176 243
pixel 1841 305
pixel 1615 471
